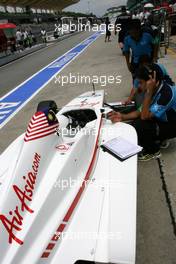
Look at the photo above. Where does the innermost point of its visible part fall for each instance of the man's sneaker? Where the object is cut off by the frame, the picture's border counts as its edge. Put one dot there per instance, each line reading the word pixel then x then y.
pixel 146 157
pixel 165 144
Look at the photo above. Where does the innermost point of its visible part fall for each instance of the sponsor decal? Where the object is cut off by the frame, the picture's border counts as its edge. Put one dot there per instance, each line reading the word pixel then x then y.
pixel 63 148
pixel 14 223
pixel 89 104
pixel 91 95
pixel 39 127
pixel 84 104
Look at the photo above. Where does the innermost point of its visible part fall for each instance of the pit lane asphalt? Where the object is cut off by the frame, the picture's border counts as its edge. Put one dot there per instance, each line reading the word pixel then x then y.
pixel 13 74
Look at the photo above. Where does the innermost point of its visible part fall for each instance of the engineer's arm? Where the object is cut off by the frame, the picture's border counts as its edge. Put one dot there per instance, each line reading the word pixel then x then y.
pixel 119 117
pixel 146 114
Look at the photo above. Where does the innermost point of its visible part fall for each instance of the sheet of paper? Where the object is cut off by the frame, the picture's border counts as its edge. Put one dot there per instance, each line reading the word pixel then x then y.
pixel 122 147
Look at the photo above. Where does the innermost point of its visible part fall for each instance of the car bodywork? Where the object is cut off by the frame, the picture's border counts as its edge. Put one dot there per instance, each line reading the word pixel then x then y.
pixel 63 199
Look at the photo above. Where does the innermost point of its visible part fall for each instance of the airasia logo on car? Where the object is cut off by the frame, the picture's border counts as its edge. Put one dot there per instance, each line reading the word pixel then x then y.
pixel 14 224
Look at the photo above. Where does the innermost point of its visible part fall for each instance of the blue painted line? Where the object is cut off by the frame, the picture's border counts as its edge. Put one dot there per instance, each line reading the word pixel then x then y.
pixel 11 103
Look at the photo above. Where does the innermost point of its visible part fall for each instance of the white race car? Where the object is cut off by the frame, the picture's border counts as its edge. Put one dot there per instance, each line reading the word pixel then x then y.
pixel 63 200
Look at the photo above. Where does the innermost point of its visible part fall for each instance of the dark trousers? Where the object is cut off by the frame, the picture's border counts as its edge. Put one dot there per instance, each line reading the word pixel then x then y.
pixel 122 35
pixel 151 132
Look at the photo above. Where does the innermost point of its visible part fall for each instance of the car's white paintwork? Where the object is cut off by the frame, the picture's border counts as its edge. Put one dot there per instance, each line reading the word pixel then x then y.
pixel 102 225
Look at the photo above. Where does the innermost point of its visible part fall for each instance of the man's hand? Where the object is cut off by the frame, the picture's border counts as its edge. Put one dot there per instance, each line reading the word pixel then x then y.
pixel 151 87
pixel 115 117
pixel 127 101
pixel 118 117
pixel 152 84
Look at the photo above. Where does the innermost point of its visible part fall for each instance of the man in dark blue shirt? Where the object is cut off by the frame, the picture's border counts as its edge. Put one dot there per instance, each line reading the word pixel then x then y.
pixel 155 120
pixel 137 44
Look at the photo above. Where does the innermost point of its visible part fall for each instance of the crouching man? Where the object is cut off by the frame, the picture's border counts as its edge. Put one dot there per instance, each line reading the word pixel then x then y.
pixel 155 120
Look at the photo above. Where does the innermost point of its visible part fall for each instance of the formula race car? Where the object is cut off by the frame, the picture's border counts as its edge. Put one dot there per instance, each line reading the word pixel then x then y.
pixel 63 199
